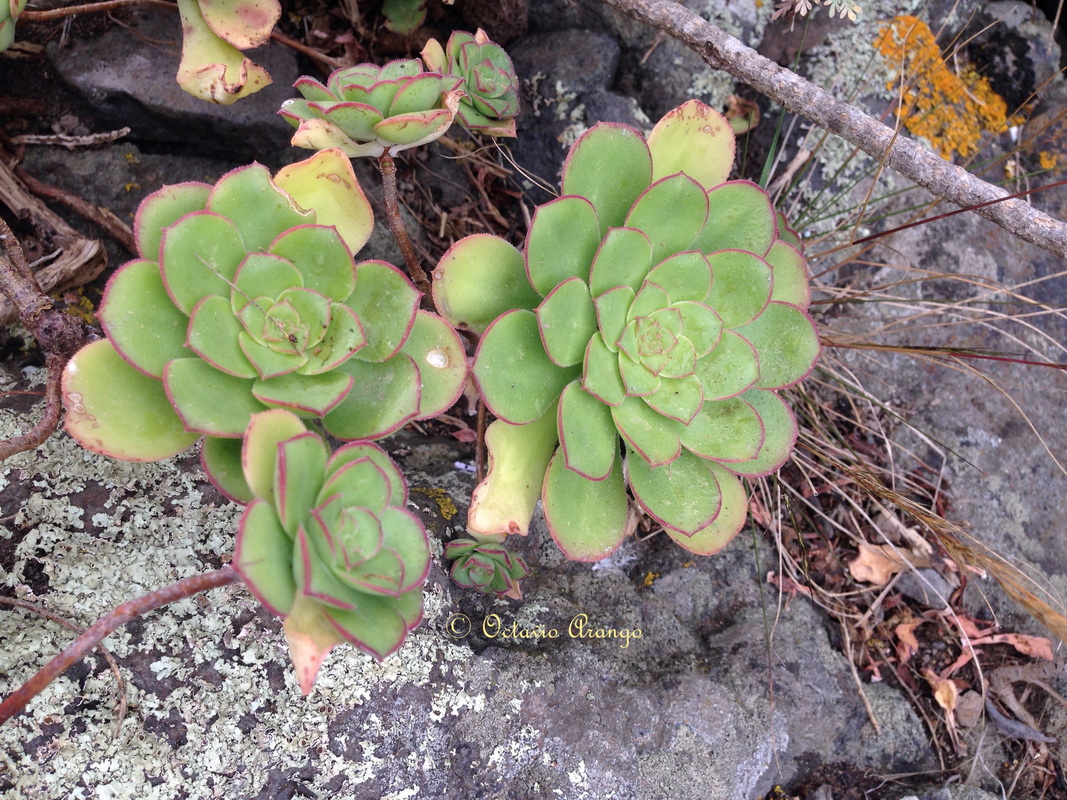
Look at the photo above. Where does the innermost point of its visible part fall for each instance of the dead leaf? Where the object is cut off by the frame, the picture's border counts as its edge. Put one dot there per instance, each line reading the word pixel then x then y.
pixel 907 644
pixel 1033 646
pixel 876 563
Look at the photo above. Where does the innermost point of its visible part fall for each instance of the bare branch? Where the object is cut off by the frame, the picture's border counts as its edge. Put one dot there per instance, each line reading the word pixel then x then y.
pixel 933 173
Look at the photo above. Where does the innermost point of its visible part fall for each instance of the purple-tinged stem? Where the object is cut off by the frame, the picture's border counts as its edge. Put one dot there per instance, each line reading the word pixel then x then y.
pixel 396 224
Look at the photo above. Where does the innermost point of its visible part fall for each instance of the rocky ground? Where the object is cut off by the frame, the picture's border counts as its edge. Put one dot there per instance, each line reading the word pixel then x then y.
pixel 720 687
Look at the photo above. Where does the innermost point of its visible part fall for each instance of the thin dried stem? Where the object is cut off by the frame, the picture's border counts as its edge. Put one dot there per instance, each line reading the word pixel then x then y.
pixel 396 224
pixel 15 702
pixel 89 8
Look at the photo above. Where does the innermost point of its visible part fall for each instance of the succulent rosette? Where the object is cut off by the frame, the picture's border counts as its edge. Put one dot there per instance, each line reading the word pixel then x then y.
pixel 214 32
pixel 247 297
pixel 367 110
pixel 489 81
pixel 656 305
pixel 486 566
pixel 327 544
pixel 9 13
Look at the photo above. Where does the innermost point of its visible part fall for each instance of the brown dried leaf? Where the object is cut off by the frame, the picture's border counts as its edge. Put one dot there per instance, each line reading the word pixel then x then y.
pixel 876 563
pixel 907 644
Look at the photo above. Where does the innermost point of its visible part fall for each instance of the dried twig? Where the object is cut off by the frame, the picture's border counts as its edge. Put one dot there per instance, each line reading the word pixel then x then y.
pixel 15 702
pixel 396 224
pixel 797 95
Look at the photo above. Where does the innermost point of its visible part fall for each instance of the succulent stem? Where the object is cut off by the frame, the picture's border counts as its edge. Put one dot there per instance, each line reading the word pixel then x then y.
pixel 15 702
pixel 396 224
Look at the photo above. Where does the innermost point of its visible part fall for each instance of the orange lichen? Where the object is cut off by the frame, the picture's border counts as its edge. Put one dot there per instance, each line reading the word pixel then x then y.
pixel 949 108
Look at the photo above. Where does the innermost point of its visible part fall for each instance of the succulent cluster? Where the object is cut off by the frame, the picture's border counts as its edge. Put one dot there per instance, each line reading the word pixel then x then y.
pixel 486 566
pixel 656 301
pixel 327 544
pixel 214 32
pixel 246 297
pixel 367 110
pixel 9 14
pixel 490 85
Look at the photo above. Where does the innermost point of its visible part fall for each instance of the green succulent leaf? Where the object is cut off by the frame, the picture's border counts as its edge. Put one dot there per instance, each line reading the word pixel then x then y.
pixel 683 276
pixel 355 451
pixel 213 335
pixel 636 378
pixel 249 198
pixel 701 325
pixel 677 398
pixel 386 302
pixel 623 260
pixel 600 373
pixel 140 319
pixel 587 433
pixel 724 430
pixel 261 557
pixel 320 257
pixel 259 449
pixel 358 482
pixel 195 389
pixel 162 209
pixel 310 394
pixel 740 287
pixel 373 624
pixel 671 213
pixel 790 275
pixel 480 278
pixel 245 24
pixel 566 219
pixel 297 478
pixel 115 410
pixel 780 434
pixel 566 320
pixel 516 376
pixel 731 518
pixel 683 496
pixel 787 342
pixel 201 254
pixel 437 350
pixel 221 459
pixel 383 397
pixel 611 310
pixel 731 367
pixel 693 139
pixel 610 166
pixel 740 217
pixel 586 518
pixel 654 438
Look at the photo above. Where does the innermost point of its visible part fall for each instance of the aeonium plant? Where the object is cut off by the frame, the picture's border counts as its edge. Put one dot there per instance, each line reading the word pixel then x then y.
pixel 326 542
pixel 638 341
pixel 247 297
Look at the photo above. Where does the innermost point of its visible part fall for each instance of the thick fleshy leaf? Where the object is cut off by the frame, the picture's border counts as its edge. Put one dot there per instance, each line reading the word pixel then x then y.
pixel 724 430
pixel 586 518
pixel 262 558
pixel 740 286
pixel 410 130
pixel 683 276
pixel 140 319
pixel 612 308
pixel 516 376
pixel 780 429
pixel 587 433
pixel 700 325
pixel 683 495
pixel 297 477
pixel 730 368
pixel 480 278
pixel 319 134
pixel 787 342
pixel 201 254
pixel 221 459
pixel 259 449
pixel 398 489
pixel 115 410
pixel 312 89
pixel 652 436
pixel 600 373
pixel 610 166
pixel 327 185
pixel 343 338
pixel 693 139
pixel 248 197
pixel 740 217
pixel 671 213
pixel 267 362
pixel 321 258
pixel 209 401
pixel 677 398
pixel 421 93
pixel 310 394
pixel 356 119
pixel 504 502
pixel 311 635
pixel 438 351
pixel 407 538
pixel 623 260
pixel 790 275
pixel 374 625
pixel 162 209
pixel 383 397
pixel 385 302
pixel 650 299
pixel 566 219
pixel 636 378
pixel 213 335
pixel 212 69
pixel 262 275
pixel 566 320
pixel 243 23
pixel 731 518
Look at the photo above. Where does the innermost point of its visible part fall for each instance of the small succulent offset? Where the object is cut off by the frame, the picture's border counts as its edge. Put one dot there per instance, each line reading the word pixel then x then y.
pixel 327 544
pixel 368 110
pixel 9 14
pixel 246 297
pixel 214 32
pixel 654 300
pixel 490 84
pixel 486 565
